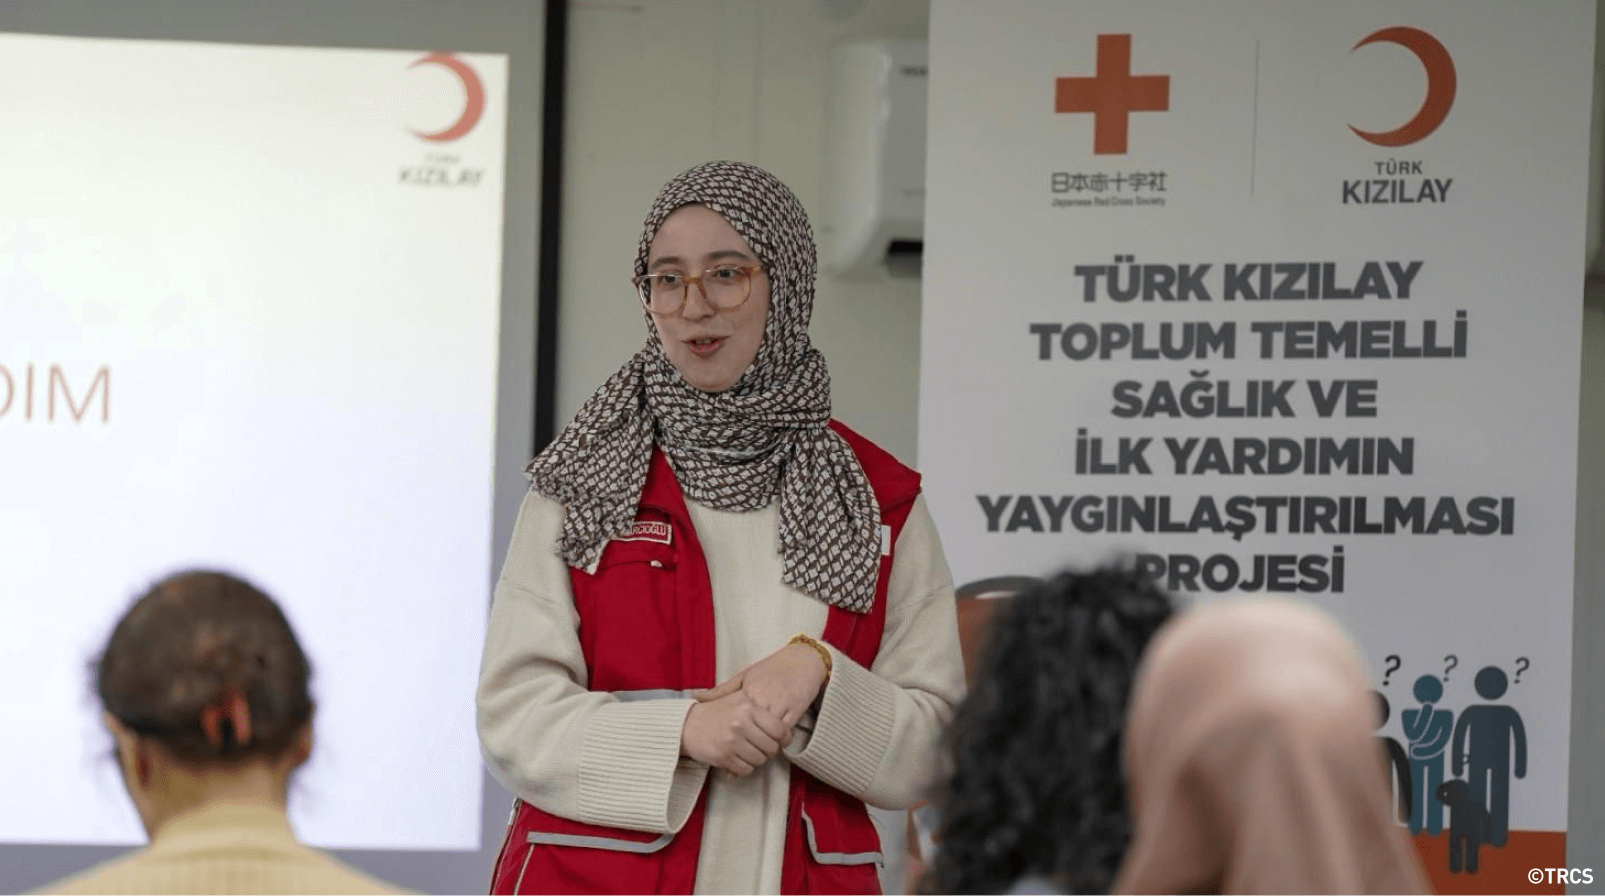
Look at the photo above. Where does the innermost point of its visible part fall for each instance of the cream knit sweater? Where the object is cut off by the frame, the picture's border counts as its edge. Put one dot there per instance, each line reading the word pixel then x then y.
pixel 224 848
pixel 589 757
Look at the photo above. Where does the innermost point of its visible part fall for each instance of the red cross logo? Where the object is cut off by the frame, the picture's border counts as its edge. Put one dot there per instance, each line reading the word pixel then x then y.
pixel 1112 94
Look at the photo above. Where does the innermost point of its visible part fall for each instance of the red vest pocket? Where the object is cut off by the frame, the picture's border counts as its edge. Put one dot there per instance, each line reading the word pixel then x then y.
pixel 624 607
pixel 844 849
pixel 545 853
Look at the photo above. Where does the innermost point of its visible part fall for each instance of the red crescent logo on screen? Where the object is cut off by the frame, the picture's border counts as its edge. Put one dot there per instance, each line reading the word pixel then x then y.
pixel 1440 85
pixel 473 106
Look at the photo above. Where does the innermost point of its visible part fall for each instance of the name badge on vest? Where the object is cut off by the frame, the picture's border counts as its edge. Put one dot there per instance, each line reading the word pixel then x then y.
pixel 886 540
pixel 657 531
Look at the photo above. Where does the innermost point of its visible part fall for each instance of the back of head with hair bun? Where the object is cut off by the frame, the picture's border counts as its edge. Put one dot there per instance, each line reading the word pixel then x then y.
pixel 207 665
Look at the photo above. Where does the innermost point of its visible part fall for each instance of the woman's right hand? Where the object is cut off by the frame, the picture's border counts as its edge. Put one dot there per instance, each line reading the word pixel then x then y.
pixel 733 733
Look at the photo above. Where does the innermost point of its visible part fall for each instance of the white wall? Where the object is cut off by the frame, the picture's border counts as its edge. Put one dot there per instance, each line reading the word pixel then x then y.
pixel 657 87
pixel 1585 840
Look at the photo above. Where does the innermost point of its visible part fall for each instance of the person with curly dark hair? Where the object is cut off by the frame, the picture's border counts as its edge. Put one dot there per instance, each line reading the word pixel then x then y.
pixel 1035 789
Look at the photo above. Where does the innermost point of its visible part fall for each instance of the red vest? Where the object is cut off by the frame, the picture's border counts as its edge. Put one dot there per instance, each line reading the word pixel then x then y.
pixel 646 629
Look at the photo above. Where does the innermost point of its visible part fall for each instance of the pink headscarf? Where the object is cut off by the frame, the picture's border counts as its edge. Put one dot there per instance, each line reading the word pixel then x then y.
pixel 1251 762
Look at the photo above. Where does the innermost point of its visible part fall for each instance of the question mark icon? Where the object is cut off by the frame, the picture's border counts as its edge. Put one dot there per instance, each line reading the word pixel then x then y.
pixel 1392 665
pixel 1522 664
pixel 1453 661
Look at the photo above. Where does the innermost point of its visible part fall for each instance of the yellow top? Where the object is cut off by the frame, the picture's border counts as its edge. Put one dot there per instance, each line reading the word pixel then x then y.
pixel 224 848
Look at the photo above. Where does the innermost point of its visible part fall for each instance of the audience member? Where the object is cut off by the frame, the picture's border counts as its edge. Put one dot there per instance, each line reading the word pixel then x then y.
pixel 205 691
pixel 1251 761
pixel 1035 797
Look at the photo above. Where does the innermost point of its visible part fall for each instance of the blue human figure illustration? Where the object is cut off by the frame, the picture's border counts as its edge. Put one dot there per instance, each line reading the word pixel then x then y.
pixel 1427 729
pixel 1397 760
pixel 1491 729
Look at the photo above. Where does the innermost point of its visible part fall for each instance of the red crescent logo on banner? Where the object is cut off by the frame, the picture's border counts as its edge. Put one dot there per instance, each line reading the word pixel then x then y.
pixel 1440 85
pixel 473 107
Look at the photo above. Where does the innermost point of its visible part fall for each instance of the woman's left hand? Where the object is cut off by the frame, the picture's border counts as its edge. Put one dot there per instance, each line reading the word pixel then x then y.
pixel 785 682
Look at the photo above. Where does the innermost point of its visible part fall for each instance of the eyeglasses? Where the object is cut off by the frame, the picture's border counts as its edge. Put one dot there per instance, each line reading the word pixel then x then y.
pixel 725 287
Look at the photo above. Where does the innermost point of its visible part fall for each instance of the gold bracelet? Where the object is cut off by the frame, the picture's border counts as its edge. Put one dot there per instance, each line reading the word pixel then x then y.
pixel 824 652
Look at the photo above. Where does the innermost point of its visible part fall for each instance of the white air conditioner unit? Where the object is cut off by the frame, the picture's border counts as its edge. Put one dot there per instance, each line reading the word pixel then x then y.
pixel 875 159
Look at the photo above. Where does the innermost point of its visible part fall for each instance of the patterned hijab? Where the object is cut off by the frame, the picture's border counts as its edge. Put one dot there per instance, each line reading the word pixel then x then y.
pixel 735 450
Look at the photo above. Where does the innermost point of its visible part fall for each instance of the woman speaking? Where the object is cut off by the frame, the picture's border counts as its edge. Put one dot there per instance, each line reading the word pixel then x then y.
pixel 725 622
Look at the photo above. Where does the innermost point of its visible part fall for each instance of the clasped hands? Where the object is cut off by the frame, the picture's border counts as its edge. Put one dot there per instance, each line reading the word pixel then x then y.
pixel 741 723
